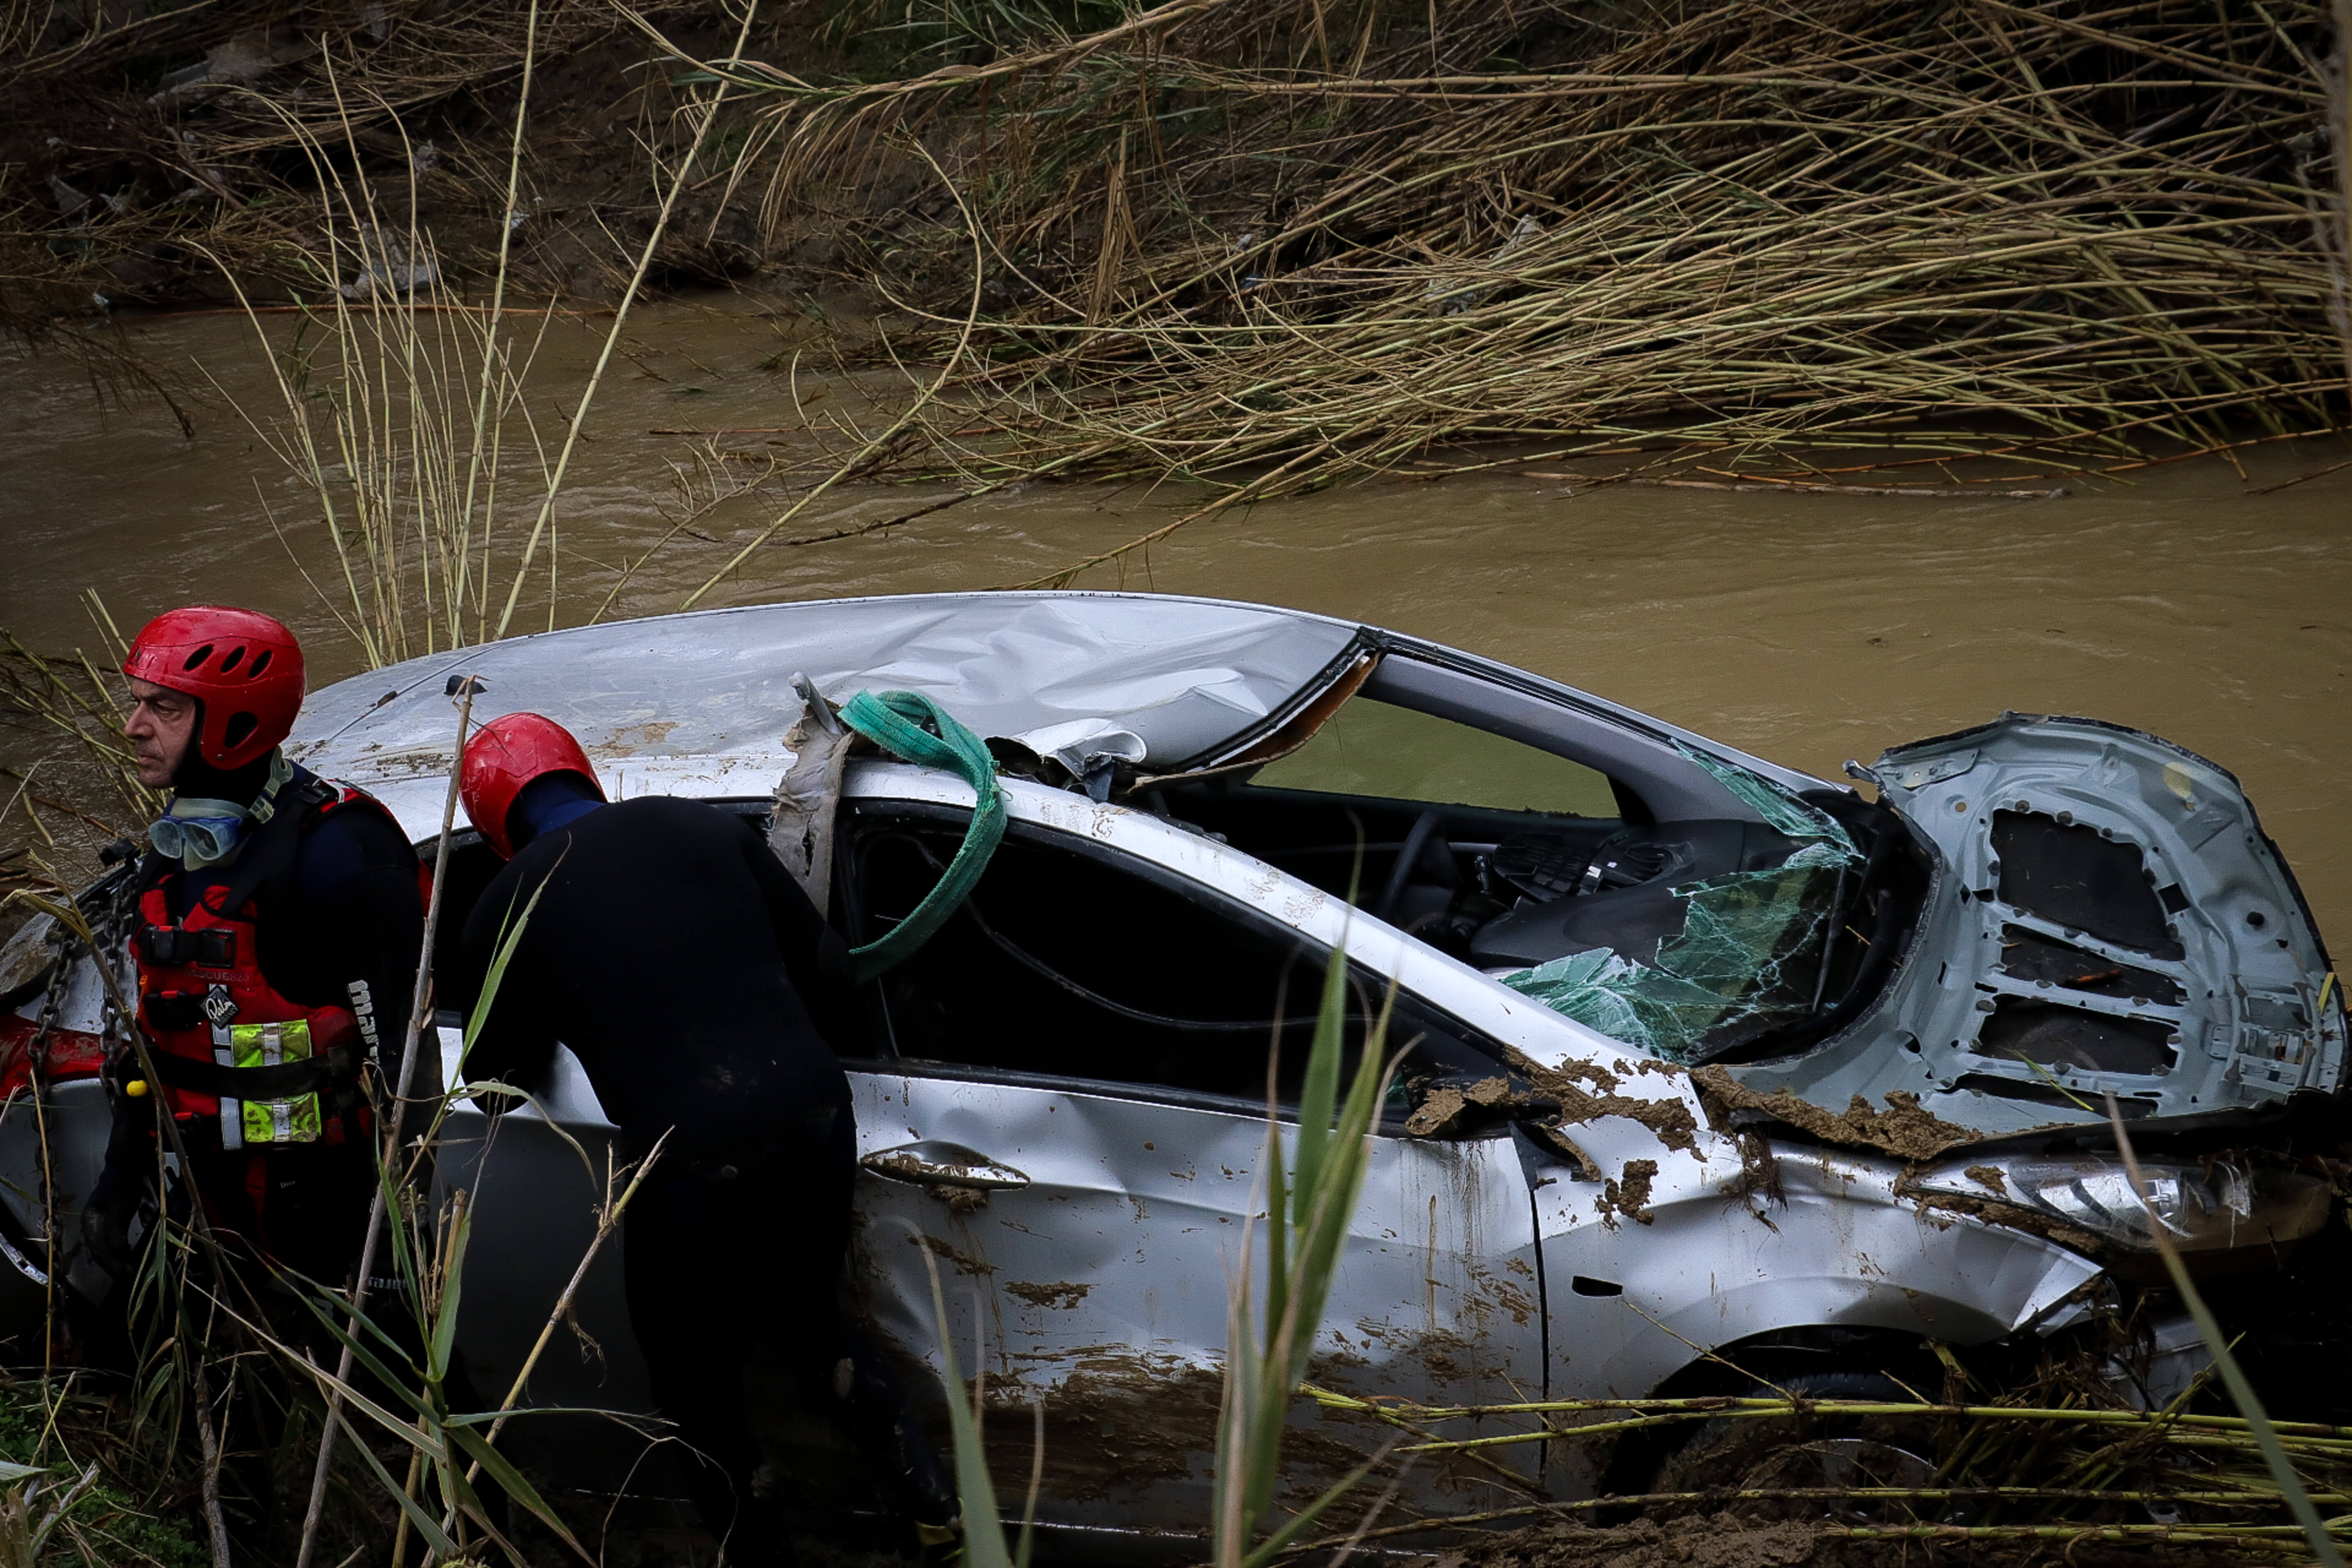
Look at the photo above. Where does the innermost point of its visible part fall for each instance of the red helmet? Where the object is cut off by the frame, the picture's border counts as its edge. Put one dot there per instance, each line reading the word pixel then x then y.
pixel 504 755
pixel 244 668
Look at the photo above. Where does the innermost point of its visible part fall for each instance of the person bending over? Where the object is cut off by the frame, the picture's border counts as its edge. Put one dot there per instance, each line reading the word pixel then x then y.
pixel 671 951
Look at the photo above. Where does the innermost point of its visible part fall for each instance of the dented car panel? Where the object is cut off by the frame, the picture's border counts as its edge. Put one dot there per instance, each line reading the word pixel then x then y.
pixel 1084 1237
pixel 1099 1284
pixel 700 703
pixel 2107 916
pixel 2036 912
pixel 1648 1231
pixel 534 1177
pixel 1710 1255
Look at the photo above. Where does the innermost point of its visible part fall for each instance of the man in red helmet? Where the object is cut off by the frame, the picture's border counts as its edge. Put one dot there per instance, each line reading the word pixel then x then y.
pixel 688 971
pixel 281 922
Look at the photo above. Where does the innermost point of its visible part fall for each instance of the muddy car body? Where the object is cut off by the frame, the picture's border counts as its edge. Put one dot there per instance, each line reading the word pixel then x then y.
pixel 1707 1055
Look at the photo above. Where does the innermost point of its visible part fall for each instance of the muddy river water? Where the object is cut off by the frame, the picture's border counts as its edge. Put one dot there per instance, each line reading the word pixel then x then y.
pixel 1806 628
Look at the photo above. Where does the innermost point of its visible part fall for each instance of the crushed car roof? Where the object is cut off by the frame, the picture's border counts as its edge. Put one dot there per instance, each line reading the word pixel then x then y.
pixel 700 703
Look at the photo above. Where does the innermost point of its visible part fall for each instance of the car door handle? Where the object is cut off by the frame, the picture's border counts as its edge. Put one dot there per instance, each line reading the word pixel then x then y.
pixel 932 1164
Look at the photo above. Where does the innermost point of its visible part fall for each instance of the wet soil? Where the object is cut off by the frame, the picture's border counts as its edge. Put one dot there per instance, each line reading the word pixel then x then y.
pixel 1904 1128
pixel 1587 1092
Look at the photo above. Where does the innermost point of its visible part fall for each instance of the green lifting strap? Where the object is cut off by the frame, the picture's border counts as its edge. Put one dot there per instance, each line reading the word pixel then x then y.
pixel 895 721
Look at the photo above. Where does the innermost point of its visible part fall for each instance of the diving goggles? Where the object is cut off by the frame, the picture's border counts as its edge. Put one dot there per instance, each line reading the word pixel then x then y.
pixel 209 832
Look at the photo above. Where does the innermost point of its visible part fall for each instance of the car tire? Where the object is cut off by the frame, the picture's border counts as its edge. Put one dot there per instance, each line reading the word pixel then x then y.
pixel 24 1298
pixel 1733 1459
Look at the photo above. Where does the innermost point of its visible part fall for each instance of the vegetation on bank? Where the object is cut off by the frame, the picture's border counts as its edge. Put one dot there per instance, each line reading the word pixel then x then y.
pixel 78 1488
pixel 1267 247
pixel 1274 245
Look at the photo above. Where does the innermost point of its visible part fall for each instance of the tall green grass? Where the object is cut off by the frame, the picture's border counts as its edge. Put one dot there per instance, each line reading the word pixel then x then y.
pixel 1310 1209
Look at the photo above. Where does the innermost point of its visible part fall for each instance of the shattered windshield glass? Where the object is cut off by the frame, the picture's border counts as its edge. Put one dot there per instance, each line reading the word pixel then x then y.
pixel 1748 959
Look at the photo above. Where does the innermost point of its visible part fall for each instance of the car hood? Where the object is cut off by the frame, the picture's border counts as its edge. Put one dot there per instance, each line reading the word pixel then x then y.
pixel 2105 914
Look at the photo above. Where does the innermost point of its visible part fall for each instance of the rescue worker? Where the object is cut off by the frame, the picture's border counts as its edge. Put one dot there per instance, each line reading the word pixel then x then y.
pixel 671 951
pixel 281 918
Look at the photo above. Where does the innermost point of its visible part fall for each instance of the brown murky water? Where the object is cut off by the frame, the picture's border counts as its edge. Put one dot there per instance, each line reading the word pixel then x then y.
pixel 1804 628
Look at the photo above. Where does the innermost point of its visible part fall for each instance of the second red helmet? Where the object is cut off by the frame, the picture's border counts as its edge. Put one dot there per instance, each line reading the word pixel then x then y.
pixel 504 755
pixel 244 667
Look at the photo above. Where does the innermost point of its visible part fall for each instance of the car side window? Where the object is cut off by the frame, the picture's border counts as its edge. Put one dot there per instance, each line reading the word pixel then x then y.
pixel 1374 748
pixel 1067 962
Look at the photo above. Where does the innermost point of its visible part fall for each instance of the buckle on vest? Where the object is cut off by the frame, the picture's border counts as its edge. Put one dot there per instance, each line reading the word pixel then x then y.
pixel 214 947
pixel 171 1011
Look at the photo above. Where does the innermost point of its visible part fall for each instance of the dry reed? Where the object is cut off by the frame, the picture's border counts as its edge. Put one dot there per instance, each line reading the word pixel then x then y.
pixel 80 700
pixel 2005 1469
pixel 1271 247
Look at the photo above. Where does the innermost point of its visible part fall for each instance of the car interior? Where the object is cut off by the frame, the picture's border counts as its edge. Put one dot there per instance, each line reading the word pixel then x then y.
pixel 1071 962
pixel 1509 856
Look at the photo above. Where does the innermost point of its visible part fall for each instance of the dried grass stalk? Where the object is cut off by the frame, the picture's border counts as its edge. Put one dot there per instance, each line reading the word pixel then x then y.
pixel 1273 246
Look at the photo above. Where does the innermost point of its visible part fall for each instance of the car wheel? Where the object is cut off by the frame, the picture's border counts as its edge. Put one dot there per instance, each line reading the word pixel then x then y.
pixel 1779 1467
pixel 24 1296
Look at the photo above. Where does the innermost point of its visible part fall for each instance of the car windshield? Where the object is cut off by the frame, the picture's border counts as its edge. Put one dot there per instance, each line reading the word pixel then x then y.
pixel 1750 955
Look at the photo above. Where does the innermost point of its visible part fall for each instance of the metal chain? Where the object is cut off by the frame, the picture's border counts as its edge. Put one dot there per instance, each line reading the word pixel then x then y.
pixel 37 1052
pixel 112 931
pixel 115 898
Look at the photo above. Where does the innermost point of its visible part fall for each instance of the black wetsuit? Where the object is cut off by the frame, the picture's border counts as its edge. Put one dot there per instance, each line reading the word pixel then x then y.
pixel 671 952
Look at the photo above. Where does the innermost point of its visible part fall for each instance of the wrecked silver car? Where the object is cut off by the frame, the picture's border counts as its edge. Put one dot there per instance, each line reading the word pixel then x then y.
pixel 1708 1058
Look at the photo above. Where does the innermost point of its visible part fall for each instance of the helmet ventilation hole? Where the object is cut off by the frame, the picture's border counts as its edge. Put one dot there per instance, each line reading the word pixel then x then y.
pixel 230 663
pixel 197 657
pixel 260 663
pixel 240 725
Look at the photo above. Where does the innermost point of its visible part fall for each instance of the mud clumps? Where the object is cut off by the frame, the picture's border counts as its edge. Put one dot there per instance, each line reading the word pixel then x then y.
pixel 1905 1128
pixel 1444 1107
pixel 1759 1170
pixel 1119 1424
pixel 1726 1540
pixel 1061 1293
pixel 1631 1197
pixel 1667 1116
pixel 2016 1217
pixel 1437 1112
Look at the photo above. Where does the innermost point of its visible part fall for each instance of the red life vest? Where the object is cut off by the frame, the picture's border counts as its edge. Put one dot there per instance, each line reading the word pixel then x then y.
pixel 243 1066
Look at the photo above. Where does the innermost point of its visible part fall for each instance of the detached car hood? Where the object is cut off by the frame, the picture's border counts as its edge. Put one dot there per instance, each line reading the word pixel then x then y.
pixel 2105 914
